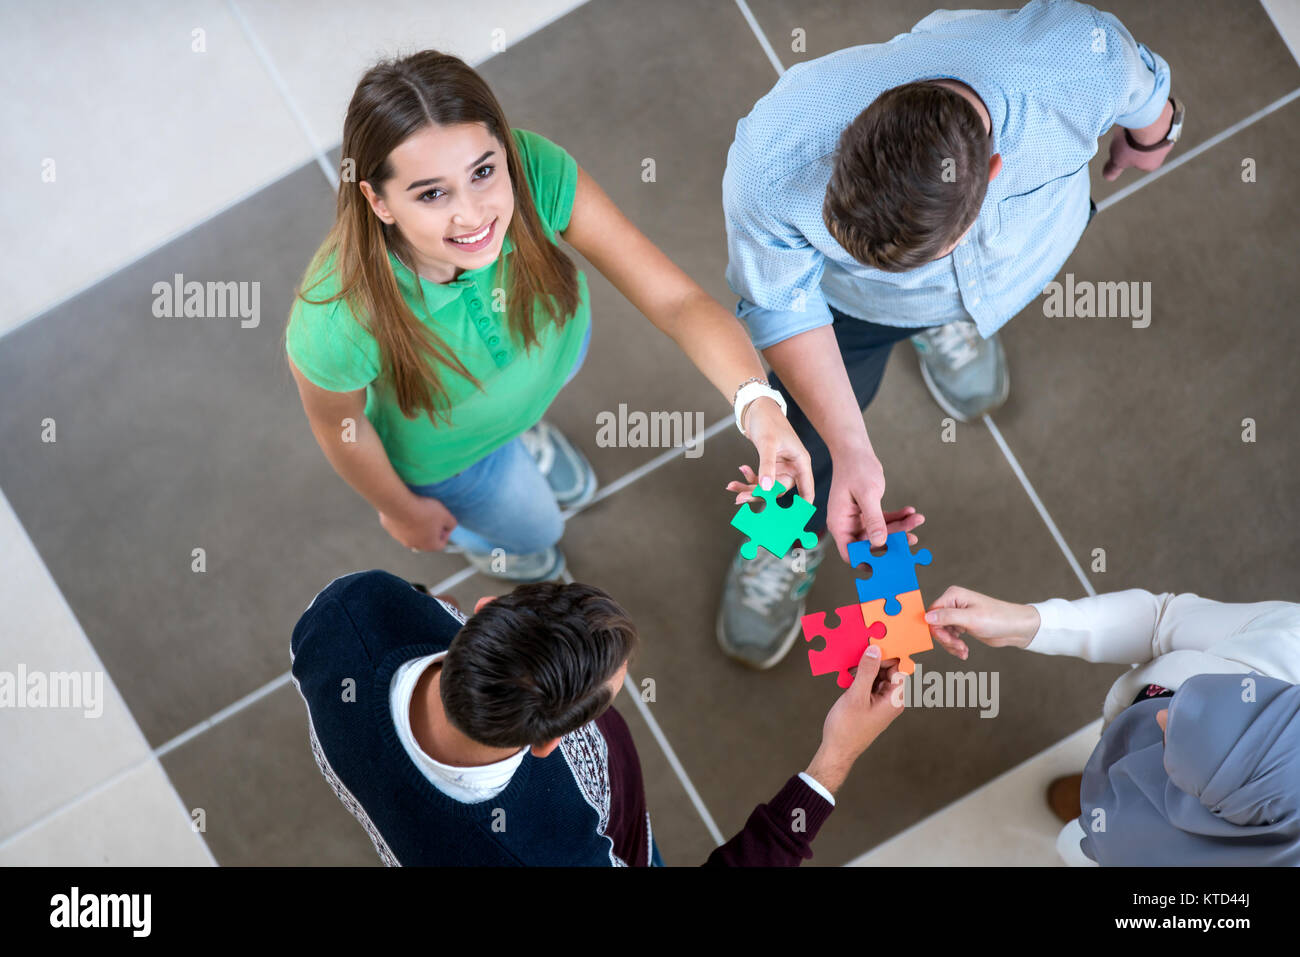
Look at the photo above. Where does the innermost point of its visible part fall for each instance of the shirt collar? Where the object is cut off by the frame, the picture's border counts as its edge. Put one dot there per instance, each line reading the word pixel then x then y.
pixel 994 104
pixel 439 294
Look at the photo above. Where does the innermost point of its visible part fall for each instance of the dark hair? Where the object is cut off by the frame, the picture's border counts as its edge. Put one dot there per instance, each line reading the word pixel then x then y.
pixel 533 665
pixel 394 100
pixel 910 176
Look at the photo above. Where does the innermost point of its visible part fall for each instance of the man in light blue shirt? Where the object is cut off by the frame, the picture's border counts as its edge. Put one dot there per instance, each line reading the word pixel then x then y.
pixel 924 188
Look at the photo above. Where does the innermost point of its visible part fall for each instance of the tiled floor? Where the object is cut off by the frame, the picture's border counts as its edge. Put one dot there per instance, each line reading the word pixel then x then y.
pixel 174 435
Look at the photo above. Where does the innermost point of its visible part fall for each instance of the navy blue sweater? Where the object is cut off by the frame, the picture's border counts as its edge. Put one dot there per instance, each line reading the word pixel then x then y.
pixel 555 810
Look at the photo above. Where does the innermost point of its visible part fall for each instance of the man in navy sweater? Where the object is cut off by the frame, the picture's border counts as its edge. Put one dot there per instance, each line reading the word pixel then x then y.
pixel 491 740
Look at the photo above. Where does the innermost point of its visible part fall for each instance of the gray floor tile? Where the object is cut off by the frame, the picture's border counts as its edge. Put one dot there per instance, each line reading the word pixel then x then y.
pixel 1133 436
pixel 265 801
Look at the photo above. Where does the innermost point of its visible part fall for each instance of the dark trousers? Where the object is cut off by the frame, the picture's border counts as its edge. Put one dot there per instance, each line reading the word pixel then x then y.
pixel 865 348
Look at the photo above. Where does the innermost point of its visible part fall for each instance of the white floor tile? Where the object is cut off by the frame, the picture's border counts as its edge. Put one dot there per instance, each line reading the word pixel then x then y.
pixel 1003 823
pixel 51 756
pixel 1285 15
pixel 134 822
pixel 147 137
pixel 322 49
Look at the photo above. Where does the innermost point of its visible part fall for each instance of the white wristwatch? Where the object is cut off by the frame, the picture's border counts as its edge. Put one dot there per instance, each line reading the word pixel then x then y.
pixel 750 391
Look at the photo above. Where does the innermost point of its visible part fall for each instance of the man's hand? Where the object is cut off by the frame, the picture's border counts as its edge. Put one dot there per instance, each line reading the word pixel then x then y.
pixel 856 719
pixel 902 520
pixel 996 623
pixel 1122 155
pixel 853 512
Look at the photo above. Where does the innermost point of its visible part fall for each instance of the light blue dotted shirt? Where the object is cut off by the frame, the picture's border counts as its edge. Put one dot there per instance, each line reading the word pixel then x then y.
pixel 1055 76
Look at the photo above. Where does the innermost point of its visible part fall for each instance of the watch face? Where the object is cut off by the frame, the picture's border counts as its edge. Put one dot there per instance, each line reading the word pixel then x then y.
pixel 1176 125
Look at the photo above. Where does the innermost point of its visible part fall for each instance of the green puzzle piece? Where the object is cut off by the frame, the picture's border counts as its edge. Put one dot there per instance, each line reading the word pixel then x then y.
pixel 775 528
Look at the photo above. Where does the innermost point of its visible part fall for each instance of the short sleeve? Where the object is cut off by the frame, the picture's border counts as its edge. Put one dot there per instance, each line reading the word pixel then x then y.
pixel 552 177
pixel 771 265
pixel 330 348
pixel 1138 79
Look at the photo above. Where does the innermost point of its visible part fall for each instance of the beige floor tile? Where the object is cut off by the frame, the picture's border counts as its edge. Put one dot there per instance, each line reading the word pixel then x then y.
pixel 1005 823
pixel 136 821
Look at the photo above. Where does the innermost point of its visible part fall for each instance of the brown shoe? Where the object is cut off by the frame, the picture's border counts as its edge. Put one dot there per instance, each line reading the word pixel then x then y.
pixel 1063 797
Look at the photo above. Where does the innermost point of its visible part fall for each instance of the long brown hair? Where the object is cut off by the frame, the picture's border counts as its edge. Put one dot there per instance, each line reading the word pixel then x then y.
pixel 394 100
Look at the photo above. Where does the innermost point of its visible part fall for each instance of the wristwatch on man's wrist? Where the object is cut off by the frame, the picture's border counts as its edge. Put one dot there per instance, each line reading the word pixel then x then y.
pixel 1175 131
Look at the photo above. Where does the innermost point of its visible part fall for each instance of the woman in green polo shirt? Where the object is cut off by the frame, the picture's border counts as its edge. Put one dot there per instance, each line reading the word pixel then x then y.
pixel 440 318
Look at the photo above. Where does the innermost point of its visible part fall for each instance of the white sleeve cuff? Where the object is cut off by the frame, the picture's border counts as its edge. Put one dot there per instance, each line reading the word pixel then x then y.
pixel 813 783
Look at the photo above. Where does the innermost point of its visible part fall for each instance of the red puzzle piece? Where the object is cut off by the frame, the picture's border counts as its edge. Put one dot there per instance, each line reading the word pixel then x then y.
pixel 907 633
pixel 844 643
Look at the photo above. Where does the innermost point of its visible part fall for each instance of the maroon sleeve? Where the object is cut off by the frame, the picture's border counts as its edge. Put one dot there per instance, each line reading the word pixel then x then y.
pixel 628 823
pixel 779 833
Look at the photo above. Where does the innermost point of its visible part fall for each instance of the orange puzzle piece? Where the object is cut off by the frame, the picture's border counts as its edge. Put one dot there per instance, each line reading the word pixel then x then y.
pixel 906 633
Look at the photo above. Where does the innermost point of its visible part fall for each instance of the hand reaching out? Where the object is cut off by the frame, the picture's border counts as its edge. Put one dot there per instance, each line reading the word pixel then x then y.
pixel 996 623
pixel 902 520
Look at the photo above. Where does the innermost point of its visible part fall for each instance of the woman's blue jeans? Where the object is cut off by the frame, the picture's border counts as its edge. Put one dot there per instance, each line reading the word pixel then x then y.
pixel 503 500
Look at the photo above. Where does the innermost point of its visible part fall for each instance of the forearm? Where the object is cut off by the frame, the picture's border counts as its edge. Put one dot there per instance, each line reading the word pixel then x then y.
pixel 714 340
pixel 1157 131
pixel 364 464
pixel 829 769
pixel 779 833
pixel 1117 628
pixel 811 368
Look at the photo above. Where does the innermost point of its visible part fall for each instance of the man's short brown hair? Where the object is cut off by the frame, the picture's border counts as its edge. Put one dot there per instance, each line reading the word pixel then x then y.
pixel 534 665
pixel 910 176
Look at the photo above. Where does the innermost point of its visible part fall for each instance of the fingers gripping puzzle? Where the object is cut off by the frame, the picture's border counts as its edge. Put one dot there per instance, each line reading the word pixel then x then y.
pixel 775 528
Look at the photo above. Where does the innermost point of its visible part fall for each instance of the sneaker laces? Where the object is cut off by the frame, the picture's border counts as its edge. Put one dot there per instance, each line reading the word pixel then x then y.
pixel 540 447
pixel 956 343
pixel 767 579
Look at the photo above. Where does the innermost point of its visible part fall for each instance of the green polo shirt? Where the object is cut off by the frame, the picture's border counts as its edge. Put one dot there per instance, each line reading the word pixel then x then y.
pixel 334 351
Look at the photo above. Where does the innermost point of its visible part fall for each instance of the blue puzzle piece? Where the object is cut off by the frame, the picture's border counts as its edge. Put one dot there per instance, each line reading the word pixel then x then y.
pixel 892 574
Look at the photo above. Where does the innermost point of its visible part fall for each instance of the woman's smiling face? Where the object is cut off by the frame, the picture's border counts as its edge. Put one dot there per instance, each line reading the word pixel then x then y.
pixel 451 197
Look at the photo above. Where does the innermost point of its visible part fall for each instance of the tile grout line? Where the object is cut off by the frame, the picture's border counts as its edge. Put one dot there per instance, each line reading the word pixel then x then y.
pixel 99 663
pixel 640 471
pixel 283 89
pixel 676 764
pixel 761 36
pixel 1038 504
pixel 1197 150
pixel 1105 204
pixel 1268 9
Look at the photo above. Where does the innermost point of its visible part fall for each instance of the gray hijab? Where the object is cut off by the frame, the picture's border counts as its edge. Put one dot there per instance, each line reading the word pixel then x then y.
pixel 1224 791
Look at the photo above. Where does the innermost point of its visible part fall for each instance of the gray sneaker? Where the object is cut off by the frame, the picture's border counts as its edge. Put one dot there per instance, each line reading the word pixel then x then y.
pixel 762 602
pixel 966 373
pixel 540 566
pixel 568 473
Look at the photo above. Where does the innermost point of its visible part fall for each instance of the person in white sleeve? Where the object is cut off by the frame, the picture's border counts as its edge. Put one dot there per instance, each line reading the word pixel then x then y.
pixel 1210 776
